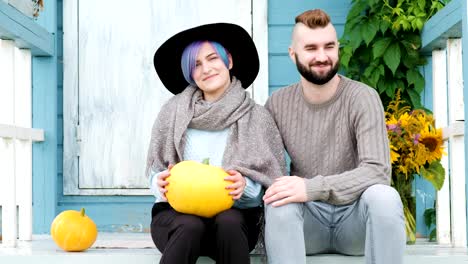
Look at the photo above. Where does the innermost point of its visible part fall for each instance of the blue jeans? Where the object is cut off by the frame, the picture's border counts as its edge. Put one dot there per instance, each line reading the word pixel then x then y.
pixel 373 225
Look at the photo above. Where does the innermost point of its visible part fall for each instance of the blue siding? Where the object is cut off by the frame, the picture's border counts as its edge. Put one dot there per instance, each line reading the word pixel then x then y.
pixel 44 96
pixel 26 33
pixel 445 24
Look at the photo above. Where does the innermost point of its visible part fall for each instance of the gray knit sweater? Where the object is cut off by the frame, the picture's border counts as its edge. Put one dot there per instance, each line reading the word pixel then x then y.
pixel 339 146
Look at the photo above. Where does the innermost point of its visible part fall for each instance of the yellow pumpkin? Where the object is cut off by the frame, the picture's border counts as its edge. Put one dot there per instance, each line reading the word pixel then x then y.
pixel 73 230
pixel 198 189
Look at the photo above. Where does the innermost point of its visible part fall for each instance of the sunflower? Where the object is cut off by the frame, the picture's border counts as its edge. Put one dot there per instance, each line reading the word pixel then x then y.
pixel 432 140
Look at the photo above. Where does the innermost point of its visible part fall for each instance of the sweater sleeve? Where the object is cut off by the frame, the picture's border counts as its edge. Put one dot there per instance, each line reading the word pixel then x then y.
pixel 252 196
pixel 153 178
pixel 368 124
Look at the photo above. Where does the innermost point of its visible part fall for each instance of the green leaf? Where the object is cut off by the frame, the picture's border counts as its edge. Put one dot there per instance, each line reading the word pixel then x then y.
pixel 420 14
pixel 384 25
pixel 429 217
pixel 422 4
pixel 415 98
pixel 356 9
pixel 368 71
pixel 372 2
pixel 392 57
pixel 395 27
pixel 344 59
pixel 381 86
pixel 390 91
pixel 355 38
pixel 414 77
pixel 374 78
pixel 397 10
pixel 405 24
pixel 351 23
pixel 368 31
pixel 411 41
pixel 436 5
pixel 399 84
pixel 380 46
pixel 433 235
pixel 435 174
pixel 381 69
pixel 419 24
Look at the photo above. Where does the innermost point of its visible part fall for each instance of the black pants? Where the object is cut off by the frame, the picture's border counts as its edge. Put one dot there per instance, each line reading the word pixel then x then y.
pixel 227 237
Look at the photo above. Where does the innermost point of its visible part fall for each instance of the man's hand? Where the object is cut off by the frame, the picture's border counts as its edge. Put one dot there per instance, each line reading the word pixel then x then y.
pixel 286 189
pixel 238 184
pixel 162 183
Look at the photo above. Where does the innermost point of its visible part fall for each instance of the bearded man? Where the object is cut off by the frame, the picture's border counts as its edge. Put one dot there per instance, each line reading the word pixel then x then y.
pixel 337 198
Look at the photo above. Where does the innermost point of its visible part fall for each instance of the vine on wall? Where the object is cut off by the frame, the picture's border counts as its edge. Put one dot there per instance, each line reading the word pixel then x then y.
pixel 380 45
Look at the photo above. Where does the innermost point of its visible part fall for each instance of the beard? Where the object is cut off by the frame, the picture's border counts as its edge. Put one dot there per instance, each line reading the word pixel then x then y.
pixel 314 77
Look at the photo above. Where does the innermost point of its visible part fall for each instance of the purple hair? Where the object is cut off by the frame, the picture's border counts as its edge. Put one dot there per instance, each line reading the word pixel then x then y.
pixel 189 58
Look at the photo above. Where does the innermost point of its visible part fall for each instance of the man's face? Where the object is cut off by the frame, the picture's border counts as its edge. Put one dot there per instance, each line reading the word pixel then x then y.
pixel 315 52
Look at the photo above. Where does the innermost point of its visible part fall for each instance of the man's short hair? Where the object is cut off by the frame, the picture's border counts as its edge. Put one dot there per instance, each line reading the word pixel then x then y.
pixel 314 18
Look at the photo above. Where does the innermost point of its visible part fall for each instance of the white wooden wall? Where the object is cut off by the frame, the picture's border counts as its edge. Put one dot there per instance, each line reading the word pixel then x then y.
pixel 16 137
pixel 449 114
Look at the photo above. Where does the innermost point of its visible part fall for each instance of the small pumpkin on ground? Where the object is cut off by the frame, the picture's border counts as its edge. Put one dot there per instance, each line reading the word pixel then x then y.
pixel 198 189
pixel 73 230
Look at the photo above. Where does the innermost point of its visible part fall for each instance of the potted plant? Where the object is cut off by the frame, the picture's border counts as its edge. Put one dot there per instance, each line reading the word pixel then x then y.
pixel 416 148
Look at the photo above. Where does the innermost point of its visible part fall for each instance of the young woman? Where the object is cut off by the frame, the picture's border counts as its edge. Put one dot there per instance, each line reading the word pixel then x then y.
pixel 211 116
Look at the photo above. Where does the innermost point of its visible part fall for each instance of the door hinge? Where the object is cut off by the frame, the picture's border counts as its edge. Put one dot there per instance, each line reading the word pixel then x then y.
pixel 78 140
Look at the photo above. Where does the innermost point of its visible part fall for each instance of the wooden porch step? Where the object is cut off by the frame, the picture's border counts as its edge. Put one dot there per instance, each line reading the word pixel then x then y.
pixel 138 248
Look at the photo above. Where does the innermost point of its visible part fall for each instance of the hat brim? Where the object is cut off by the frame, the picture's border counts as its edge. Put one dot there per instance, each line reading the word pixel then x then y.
pixel 167 59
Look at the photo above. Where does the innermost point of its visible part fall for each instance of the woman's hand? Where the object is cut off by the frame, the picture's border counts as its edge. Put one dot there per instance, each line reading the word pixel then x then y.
pixel 238 184
pixel 162 183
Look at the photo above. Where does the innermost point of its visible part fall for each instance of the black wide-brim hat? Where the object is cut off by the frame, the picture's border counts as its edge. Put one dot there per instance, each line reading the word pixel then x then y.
pixel 167 59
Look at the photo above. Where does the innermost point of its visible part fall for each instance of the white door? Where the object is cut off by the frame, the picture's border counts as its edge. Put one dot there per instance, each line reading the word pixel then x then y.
pixel 111 92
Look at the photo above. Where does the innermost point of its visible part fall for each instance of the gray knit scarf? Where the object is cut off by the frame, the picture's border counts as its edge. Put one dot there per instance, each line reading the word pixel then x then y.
pixel 254 146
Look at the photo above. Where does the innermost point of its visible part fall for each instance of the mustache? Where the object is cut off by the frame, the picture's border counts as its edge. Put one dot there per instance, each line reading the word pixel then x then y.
pixel 320 63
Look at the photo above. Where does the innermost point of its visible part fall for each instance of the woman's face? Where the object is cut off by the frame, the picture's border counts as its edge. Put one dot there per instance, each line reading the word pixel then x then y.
pixel 210 73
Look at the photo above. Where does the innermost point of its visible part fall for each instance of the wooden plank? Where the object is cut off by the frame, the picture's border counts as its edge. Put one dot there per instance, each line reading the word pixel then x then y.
pixel 70 97
pixel 25 7
pixel 260 37
pixel 445 24
pixel 282 71
pixel 453 130
pixel 455 78
pixel 457 144
pixel 7 146
pixel 465 75
pixel 26 33
pixel 21 133
pixel 439 80
pixel 23 148
pixel 7 81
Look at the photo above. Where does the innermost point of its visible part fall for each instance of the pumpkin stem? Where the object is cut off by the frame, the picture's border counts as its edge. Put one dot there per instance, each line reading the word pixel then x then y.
pixel 82 212
pixel 206 161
